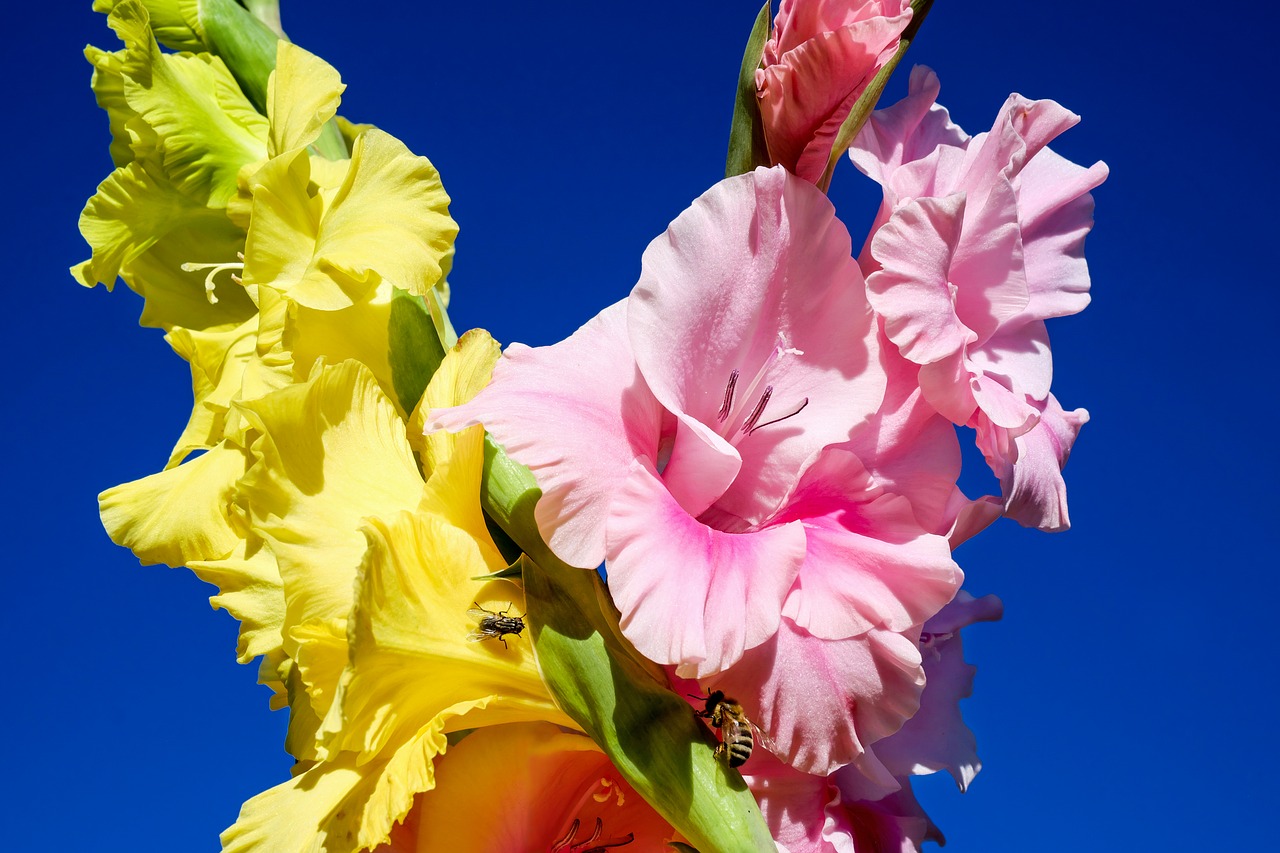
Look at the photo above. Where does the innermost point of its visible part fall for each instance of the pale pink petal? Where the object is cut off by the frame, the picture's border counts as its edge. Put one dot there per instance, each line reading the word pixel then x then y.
pixel 986 265
pixel 907 131
pixel 689 595
pixel 895 823
pixel 756 277
pixel 936 738
pixel 868 563
pixel 892 577
pixel 1001 405
pixel 795 806
pixel 968 517
pixel 912 291
pixel 820 702
pixel 1030 466
pixel 949 387
pixel 1021 130
pixel 576 414
pixel 908 448
pixel 1056 208
pixel 701 467
pixel 1019 357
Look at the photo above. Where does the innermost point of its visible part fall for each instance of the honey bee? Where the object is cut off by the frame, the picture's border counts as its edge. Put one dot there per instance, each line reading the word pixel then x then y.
pixel 494 625
pixel 726 714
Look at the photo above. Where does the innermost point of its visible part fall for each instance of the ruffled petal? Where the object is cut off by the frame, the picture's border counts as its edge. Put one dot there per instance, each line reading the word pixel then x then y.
pixel 820 703
pixel 690 595
pixel 1030 465
pixel 589 381
pixel 936 738
pixel 756 277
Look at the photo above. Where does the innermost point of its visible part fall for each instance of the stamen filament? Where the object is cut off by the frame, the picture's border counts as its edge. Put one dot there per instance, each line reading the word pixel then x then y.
pixel 798 410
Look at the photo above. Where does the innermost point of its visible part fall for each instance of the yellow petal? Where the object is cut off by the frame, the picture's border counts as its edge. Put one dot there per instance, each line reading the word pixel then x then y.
pixel 341 805
pixel 464 371
pixel 302 94
pixel 358 332
pixel 388 220
pixel 332 451
pixel 249 588
pixel 414 646
pixel 178 515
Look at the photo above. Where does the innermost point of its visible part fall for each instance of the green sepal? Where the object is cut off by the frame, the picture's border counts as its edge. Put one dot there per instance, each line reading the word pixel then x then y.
pixel 618 698
pixel 415 347
pixel 866 102
pixel 747 147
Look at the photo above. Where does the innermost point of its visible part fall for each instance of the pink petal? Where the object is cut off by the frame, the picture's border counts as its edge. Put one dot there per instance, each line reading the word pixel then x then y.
pixel 908 448
pixel 1030 465
pixel 756 276
pixel 820 702
pixel 1018 356
pixel 907 131
pixel 968 517
pixel 936 738
pixel 912 292
pixel 1057 212
pixel 589 381
pixel 868 563
pixel 689 595
pixel 794 806
pixel 702 466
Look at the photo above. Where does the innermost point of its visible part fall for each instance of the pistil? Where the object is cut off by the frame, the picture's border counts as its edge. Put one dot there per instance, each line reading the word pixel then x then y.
pixel 214 269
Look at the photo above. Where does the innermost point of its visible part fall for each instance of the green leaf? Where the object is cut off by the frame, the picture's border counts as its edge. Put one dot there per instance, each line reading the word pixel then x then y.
pixel 415 347
pixel 620 699
pixel 863 107
pixel 747 148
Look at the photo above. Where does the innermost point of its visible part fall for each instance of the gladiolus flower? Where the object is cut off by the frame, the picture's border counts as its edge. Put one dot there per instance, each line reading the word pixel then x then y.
pixel 700 405
pixel 978 242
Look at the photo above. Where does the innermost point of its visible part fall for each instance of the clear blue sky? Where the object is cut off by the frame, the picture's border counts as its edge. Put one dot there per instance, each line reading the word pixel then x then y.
pixel 1127 700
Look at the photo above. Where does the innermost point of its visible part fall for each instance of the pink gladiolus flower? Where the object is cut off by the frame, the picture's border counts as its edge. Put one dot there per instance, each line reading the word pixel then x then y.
pixel 978 242
pixel 819 60
pixel 700 436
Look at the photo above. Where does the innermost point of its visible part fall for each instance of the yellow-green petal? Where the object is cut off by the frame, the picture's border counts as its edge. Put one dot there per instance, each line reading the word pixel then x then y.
pixel 178 515
pixel 302 95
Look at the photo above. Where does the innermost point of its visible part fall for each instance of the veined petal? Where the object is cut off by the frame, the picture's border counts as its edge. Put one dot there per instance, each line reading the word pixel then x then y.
pixel 820 703
pixel 302 94
pixel 342 804
pixel 143 229
pixel 1030 464
pixel 690 595
pixel 206 127
pixel 589 380
pixel 178 515
pixel 463 373
pixel 389 220
pixel 332 452
pixel 756 277
pixel 912 291
pixel 414 652
pixel 217 360
pixel 249 588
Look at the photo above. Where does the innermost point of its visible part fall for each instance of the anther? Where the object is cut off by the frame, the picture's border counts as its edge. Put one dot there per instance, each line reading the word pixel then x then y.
pixel 568 838
pixel 750 423
pixel 798 410
pixel 727 403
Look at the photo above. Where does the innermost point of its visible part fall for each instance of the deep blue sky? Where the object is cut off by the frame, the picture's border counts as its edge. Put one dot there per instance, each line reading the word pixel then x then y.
pixel 1127 700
